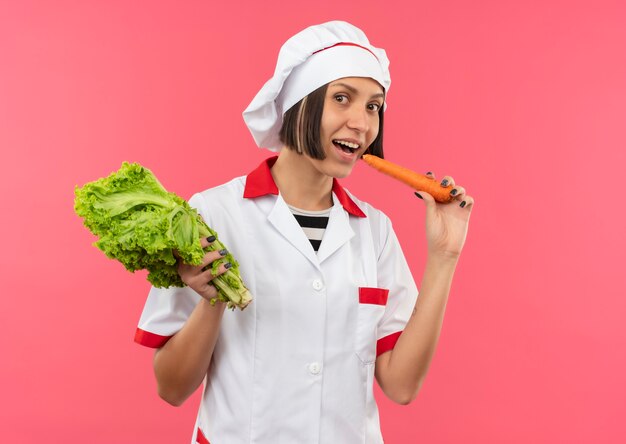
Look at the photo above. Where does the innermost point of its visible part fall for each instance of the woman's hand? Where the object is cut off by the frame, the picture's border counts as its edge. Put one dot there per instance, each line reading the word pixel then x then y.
pixel 199 277
pixel 447 223
pixel 181 364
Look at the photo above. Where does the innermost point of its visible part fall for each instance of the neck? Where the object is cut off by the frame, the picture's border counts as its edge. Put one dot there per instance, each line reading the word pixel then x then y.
pixel 300 183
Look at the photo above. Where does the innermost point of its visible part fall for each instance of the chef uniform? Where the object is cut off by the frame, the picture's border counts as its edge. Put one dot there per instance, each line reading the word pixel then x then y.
pixel 297 365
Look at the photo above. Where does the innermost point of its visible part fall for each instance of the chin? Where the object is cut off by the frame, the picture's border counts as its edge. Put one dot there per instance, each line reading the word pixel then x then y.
pixel 341 173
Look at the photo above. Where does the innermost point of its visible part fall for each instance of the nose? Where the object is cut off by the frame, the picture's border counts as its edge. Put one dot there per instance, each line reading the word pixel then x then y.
pixel 357 119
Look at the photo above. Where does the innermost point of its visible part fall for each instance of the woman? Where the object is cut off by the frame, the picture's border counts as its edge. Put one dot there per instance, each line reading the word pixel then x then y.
pixel 335 305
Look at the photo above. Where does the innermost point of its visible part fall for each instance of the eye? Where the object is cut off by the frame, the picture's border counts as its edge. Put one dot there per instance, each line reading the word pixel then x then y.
pixel 374 107
pixel 341 98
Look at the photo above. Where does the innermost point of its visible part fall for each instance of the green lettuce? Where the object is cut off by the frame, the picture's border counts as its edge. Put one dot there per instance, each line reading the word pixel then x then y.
pixel 139 223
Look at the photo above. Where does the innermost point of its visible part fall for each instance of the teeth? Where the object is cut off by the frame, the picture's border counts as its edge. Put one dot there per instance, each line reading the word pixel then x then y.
pixel 348 144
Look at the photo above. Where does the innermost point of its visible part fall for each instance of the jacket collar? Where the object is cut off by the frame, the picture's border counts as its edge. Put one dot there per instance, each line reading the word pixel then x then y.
pixel 260 183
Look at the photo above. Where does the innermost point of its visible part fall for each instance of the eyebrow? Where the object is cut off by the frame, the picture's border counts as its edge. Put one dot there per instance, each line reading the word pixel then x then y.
pixel 354 90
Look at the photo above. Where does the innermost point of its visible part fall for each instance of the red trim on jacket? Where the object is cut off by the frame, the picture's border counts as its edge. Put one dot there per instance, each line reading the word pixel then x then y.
pixel 260 183
pixel 200 438
pixel 151 340
pixel 387 343
pixel 370 295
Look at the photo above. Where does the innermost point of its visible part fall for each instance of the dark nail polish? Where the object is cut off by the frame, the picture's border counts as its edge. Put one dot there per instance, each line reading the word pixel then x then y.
pixel 210 239
pixel 429 173
pixel 453 192
pixel 463 204
pixel 228 265
pixel 444 182
pixel 418 195
pixel 224 252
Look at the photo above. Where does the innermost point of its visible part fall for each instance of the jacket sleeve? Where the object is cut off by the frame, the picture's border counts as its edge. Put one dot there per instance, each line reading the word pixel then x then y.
pixel 167 309
pixel 394 274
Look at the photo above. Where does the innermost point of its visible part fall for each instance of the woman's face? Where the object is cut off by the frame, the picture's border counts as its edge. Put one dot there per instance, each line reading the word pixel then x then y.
pixel 349 124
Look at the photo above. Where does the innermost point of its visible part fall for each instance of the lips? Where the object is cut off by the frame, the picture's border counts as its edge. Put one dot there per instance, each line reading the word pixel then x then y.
pixel 345 154
pixel 344 149
pixel 347 148
pixel 347 143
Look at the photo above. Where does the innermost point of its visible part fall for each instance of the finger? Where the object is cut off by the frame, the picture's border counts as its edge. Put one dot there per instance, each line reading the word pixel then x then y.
pixel 206 241
pixel 431 175
pixel 209 291
pixel 428 198
pixel 212 256
pixel 207 260
pixel 467 203
pixel 447 181
pixel 208 275
pixel 458 192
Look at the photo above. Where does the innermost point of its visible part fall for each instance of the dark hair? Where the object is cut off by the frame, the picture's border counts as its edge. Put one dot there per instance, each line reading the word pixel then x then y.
pixel 301 126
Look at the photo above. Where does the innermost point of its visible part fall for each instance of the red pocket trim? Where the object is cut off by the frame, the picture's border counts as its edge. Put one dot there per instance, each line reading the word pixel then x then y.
pixel 369 295
pixel 200 438
pixel 151 340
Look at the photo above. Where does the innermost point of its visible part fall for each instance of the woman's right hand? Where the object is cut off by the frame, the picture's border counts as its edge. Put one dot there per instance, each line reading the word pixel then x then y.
pixel 181 364
pixel 199 277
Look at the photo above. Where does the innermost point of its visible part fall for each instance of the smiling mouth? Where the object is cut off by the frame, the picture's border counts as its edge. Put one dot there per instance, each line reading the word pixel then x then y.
pixel 346 147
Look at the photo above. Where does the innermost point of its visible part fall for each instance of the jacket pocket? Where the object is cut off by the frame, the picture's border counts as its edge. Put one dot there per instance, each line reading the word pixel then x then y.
pixel 371 308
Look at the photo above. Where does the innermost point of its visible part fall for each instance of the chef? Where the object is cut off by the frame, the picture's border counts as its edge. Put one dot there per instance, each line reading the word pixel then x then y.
pixel 335 305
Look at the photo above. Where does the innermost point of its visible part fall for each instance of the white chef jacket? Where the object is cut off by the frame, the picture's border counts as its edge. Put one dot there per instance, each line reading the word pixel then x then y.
pixel 297 365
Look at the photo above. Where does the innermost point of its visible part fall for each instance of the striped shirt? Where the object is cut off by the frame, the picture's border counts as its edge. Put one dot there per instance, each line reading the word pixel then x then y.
pixel 313 223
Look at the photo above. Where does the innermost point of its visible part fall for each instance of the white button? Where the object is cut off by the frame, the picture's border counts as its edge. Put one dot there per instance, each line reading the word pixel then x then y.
pixel 317 284
pixel 315 368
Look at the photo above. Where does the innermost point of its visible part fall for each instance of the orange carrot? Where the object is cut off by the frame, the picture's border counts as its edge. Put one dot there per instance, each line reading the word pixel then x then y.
pixel 419 182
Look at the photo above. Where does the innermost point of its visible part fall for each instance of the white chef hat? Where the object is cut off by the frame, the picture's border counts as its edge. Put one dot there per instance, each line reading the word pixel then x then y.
pixel 310 59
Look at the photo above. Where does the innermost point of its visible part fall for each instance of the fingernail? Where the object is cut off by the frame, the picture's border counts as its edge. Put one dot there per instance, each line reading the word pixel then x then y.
pixel 210 239
pixel 429 173
pixel 453 192
pixel 444 182
pixel 224 252
pixel 419 195
pixel 463 204
pixel 228 265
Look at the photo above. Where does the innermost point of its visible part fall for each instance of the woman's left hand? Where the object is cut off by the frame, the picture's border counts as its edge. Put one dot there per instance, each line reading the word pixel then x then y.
pixel 447 223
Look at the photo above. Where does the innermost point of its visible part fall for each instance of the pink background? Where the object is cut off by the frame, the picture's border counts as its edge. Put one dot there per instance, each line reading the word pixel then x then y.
pixel 524 103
